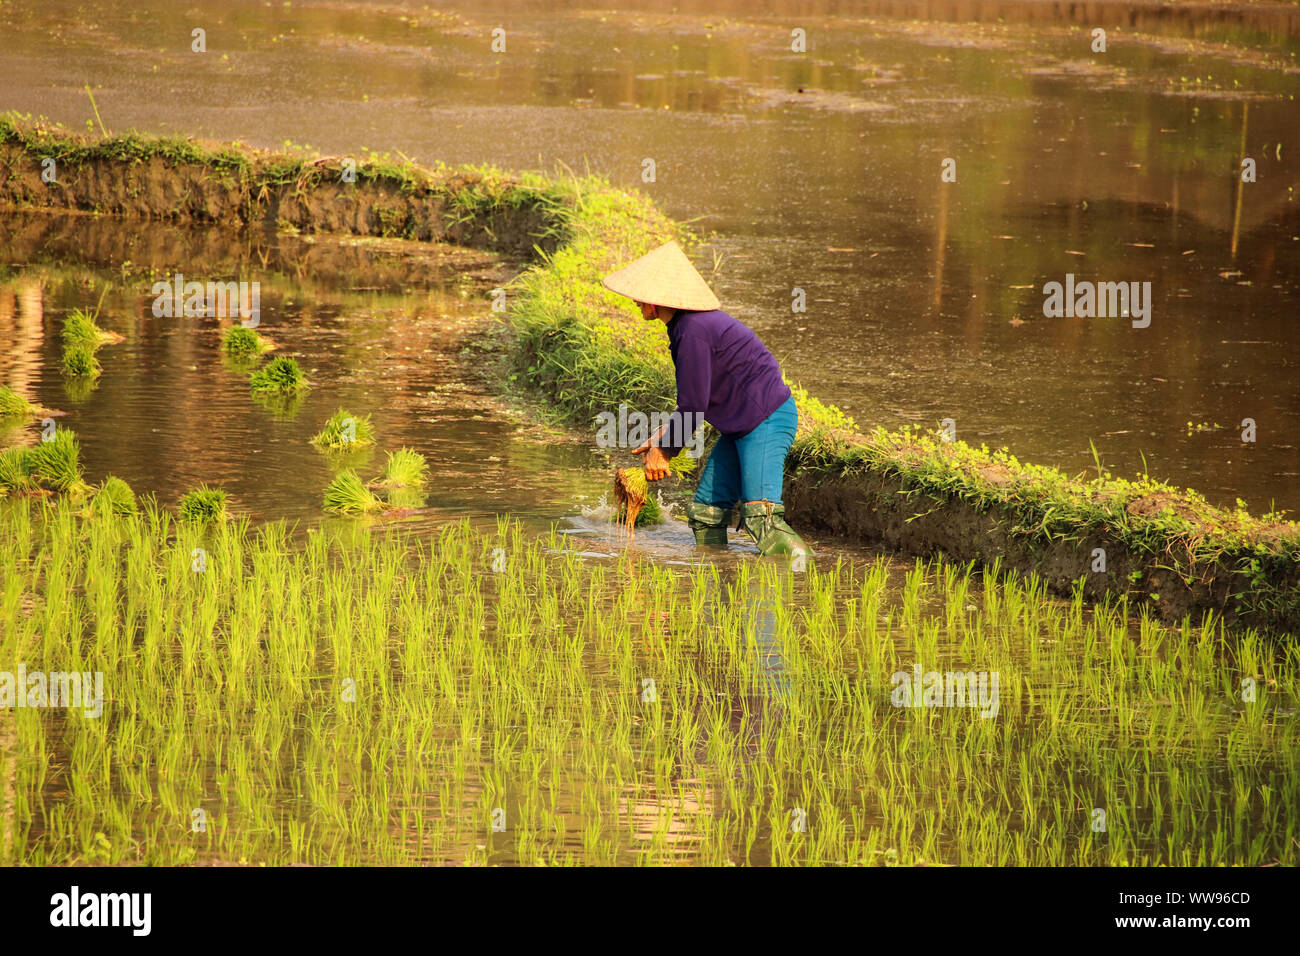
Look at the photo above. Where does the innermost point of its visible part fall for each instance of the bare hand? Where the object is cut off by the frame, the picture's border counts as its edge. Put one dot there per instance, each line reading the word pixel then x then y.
pixel 656 465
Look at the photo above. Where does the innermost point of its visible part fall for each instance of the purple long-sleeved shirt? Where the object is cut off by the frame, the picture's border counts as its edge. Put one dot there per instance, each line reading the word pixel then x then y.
pixel 724 373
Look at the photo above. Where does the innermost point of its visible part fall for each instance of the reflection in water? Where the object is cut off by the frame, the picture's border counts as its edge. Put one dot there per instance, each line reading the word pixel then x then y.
pixel 390 329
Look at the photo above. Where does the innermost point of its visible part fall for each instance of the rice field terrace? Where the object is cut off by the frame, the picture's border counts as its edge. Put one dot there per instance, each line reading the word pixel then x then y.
pixel 326 563
pixel 359 694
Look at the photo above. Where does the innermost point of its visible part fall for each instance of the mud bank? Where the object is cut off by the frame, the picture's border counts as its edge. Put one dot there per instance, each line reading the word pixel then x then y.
pixel 1140 542
pixel 584 350
pixel 232 184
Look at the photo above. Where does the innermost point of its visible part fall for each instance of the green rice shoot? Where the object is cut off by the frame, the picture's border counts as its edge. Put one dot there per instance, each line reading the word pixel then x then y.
pixel 13 405
pixel 113 497
pixel 80 329
pixel 405 468
pixel 347 495
pixel 202 505
pixel 345 431
pixel 242 342
pixel 280 376
pixel 54 465
pixel 79 361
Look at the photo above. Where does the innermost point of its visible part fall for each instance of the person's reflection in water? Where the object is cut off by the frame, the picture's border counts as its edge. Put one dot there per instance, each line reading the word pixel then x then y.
pixel 758 705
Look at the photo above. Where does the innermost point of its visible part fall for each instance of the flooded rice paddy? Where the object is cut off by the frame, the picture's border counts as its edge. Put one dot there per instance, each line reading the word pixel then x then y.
pixel 453 685
pixel 821 171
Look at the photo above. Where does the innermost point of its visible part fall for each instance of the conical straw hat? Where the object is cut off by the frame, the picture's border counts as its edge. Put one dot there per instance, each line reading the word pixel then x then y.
pixel 664 277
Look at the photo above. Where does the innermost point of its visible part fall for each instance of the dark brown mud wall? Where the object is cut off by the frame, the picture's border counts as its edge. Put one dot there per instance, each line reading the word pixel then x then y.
pixel 159 188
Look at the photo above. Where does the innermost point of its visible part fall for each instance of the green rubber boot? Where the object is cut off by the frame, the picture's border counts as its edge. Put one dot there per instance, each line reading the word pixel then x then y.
pixel 765 523
pixel 709 522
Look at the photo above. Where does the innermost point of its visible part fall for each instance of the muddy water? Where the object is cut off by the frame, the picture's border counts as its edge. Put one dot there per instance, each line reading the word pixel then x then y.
pixel 385 329
pixel 821 171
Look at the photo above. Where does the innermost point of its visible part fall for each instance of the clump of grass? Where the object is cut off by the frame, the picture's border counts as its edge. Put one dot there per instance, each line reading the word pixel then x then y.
pixel 54 464
pixel 242 342
pixel 281 376
pixel 345 431
pixel 79 362
pixel 80 329
pixel 113 497
pixel 202 505
pixel 13 405
pixel 348 496
pixel 405 468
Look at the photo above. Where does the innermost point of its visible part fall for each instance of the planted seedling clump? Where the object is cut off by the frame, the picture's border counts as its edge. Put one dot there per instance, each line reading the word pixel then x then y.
pixel 348 496
pixel 80 329
pixel 13 405
pixel 79 362
pixel 15 471
pixel 242 342
pixel 406 468
pixel 113 497
pixel 203 505
pixel 345 431
pixel 280 376
pixel 54 464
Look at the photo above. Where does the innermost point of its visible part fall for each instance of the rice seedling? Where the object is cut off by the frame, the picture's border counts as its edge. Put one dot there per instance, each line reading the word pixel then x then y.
pixel 405 468
pixel 345 431
pixel 393 698
pixel 242 342
pixel 15 471
pixel 635 505
pixel 54 465
pixel 79 329
pixel 113 497
pixel 280 376
pixel 202 505
pixel 79 362
pixel 13 405
pixel 347 495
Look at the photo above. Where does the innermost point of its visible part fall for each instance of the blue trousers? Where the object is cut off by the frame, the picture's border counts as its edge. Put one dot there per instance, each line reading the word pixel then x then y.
pixel 750 467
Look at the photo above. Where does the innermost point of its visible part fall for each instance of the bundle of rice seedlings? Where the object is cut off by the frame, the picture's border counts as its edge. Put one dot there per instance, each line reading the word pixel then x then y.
pixel 345 431
pixel 80 329
pixel 406 468
pixel 281 375
pixel 113 497
pixel 636 505
pixel 79 361
pixel 346 495
pixel 202 504
pixel 681 464
pixel 15 471
pixel 13 405
pixel 54 464
pixel 243 342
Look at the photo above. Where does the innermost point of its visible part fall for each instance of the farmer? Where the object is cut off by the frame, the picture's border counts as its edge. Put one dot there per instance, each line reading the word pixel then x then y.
pixel 727 377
